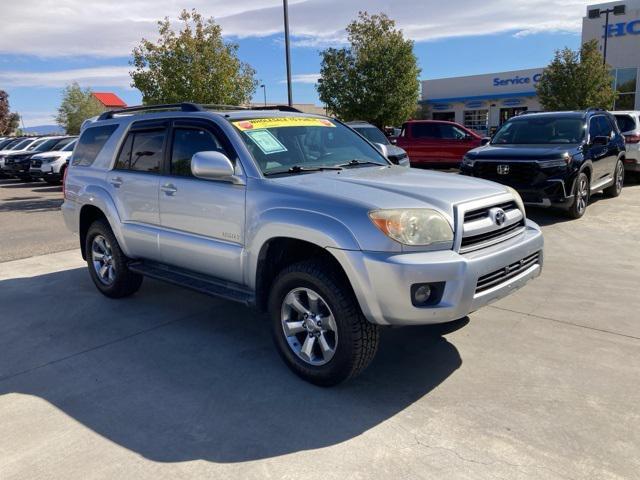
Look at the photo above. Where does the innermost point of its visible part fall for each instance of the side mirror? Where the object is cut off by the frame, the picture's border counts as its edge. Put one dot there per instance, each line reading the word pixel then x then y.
pixel 382 148
pixel 212 166
pixel 600 140
pixel 485 140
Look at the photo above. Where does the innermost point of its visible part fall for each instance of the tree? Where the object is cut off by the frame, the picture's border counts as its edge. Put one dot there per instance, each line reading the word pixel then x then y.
pixel 375 78
pixel 576 80
pixel 77 105
pixel 8 121
pixel 192 65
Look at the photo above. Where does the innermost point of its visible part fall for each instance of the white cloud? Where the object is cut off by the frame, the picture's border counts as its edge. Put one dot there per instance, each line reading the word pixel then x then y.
pixel 311 78
pixel 35 118
pixel 81 27
pixel 98 76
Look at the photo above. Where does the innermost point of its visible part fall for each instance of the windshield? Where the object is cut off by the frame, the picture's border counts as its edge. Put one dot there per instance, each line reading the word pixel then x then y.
pixel 626 123
pixel 46 145
pixel 69 146
pixel 7 143
pixel 36 144
pixel 303 143
pixel 22 144
pixel 372 134
pixel 540 130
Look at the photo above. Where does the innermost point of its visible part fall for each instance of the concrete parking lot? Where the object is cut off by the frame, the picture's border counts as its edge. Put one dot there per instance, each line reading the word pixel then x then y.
pixel 173 384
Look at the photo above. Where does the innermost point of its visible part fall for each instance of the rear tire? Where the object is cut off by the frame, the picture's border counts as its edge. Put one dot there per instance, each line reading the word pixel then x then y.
pixel 108 264
pixel 318 328
pixel 581 194
pixel 618 181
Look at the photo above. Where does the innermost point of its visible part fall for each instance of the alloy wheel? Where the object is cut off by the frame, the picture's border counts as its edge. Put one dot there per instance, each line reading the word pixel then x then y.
pixel 309 326
pixel 582 194
pixel 102 259
pixel 619 177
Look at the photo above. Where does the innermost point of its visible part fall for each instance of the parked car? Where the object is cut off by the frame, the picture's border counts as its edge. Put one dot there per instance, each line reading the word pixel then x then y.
pixel 16 145
pixel 629 125
pixel 374 135
pixel 18 164
pixel 435 143
pixel 295 214
pixel 554 159
pixel 50 166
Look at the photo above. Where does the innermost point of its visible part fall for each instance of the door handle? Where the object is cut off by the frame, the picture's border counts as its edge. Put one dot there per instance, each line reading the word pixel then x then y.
pixel 169 189
pixel 116 182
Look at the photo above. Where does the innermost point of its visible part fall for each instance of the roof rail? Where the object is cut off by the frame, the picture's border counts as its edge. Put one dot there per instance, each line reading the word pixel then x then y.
pixel 185 107
pixel 527 112
pixel 595 109
pixel 281 108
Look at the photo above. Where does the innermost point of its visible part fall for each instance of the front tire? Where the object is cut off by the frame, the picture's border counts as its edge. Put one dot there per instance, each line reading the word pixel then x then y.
pixel 618 181
pixel 108 264
pixel 318 328
pixel 581 194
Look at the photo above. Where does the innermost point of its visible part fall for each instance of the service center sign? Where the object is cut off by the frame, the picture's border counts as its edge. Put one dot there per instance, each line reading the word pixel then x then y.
pixel 517 80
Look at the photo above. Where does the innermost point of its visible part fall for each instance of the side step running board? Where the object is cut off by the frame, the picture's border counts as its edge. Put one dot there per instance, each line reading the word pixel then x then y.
pixel 195 281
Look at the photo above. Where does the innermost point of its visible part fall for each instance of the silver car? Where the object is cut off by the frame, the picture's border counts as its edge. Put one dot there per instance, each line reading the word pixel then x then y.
pixel 629 124
pixel 372 133
pixel 298 216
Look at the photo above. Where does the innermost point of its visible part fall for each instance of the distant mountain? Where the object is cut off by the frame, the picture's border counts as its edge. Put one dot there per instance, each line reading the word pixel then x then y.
pixel 45 130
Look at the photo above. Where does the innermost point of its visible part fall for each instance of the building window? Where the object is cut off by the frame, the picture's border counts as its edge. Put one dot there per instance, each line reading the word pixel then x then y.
pixel 477 120
pixel 625 84
pixel 445 116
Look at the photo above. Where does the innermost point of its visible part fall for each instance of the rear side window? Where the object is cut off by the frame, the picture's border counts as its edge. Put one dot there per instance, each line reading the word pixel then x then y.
pixel 425 130
pixel 626 123
pixel 90 144
pixel 451 132
pixel 186 143
pixel 142 151
pixel 600 127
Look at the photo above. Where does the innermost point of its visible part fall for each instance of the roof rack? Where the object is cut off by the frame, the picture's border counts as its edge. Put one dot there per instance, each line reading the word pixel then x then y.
pixel 594 109
pixel 185 107
pixel 527 112
pixel 191 107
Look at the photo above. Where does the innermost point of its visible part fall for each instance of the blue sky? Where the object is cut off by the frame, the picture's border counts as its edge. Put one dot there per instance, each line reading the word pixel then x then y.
pixel 500 36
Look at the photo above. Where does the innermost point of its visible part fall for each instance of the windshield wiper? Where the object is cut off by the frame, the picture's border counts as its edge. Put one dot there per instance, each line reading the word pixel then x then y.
pixel 356 162
pixel 301 169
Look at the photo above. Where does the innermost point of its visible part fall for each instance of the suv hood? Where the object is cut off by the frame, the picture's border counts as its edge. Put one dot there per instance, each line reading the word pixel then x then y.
pixel 55 153
pixel 390 187
pixel 523 152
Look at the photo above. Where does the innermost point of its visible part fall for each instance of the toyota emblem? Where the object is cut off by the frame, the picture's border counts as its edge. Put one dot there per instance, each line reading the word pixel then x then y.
pixel 498 216
pixel 503 169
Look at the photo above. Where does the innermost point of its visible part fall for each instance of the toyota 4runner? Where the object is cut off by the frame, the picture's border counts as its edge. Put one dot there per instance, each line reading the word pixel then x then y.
pixel 296 215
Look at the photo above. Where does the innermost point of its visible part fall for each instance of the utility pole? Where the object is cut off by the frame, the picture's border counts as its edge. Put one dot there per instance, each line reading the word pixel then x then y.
pixel 597 13
pixel 287 49
pixel 264 91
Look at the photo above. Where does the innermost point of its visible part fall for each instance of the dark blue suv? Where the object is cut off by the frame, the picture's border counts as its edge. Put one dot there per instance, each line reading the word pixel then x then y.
pixel 555 158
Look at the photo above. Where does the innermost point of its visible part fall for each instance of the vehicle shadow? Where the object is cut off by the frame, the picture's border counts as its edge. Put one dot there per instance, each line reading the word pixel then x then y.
pixel 31 205
pixel 175 376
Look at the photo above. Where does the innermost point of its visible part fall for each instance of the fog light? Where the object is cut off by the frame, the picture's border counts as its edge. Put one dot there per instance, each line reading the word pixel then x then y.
pixel 426 294
pixel 422 294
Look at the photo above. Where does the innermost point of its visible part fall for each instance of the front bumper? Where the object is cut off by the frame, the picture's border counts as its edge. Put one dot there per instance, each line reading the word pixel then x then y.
pixel 382 281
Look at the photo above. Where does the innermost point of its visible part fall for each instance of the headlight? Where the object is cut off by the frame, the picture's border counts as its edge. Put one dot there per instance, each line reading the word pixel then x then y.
pixel 415 226
pixel 517 198
pixel 467 161
pixel 49 159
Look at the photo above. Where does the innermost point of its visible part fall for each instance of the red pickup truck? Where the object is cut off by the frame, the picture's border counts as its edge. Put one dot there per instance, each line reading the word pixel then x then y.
pixel 435 143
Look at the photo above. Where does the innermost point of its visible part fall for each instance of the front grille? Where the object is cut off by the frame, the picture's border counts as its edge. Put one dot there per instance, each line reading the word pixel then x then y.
pixel 504 274
pixel 484 211
pixel 519 172
pixel 493 236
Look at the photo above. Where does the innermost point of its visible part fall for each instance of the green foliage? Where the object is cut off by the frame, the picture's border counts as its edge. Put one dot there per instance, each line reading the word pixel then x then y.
pixel 576 80
pixel 375 78
pixel 8 121
pixel 77 105
pixel 192 65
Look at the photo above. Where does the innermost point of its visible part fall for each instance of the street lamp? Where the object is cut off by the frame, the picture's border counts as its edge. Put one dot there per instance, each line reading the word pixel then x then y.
pixel 597 13
pixel 288 53
pixel 264 91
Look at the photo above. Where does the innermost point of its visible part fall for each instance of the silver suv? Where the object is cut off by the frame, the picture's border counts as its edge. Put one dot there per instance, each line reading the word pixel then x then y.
pixel 297 215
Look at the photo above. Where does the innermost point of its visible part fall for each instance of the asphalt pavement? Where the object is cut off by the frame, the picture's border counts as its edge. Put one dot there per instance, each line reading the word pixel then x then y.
pixel 171 384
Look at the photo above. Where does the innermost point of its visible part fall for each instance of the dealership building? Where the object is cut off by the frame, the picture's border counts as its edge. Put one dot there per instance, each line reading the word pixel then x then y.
pixel 483 102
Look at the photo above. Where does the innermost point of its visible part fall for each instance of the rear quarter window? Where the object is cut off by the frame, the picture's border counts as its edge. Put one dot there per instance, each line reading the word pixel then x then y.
pixel 91 143
pixel 626 123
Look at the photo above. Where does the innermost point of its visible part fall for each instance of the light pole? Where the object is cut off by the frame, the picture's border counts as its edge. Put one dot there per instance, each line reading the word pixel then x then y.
pixel 597 13
pixel 264 91
pixel 287 50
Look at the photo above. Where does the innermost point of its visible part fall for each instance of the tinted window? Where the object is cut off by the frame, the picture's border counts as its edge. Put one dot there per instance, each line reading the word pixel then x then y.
pixel 142 151
pixel 47 145
pixel 21 144
pixel 425 130
pixel 33 145
pixel 372 134
pixel 540 130
pixel 186 143
pixel 451 132
pixel 600 127
pixel 63 143
pixel 69 147
pixel 90 144
pixel 626 123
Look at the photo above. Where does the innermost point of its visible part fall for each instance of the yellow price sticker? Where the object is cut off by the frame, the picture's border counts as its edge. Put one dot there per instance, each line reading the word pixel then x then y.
pixel 258 123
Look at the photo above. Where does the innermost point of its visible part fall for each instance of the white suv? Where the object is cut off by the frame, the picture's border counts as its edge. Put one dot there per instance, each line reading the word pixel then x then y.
pixel 50 166
pixel 629 124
